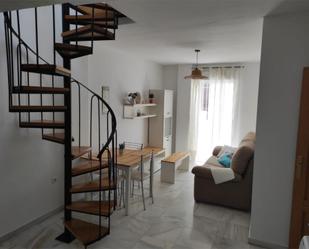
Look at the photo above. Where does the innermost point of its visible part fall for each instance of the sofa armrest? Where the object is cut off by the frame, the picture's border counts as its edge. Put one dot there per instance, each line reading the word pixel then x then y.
pixel 205 172
pixel 202 171
pixel 216 150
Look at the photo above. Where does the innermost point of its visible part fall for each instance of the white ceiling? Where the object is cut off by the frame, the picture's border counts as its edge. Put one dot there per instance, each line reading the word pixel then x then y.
pixel 22 4
pixel 167 31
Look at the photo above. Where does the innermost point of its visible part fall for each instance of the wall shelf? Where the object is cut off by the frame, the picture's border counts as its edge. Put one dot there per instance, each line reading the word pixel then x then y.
pixel 141 105
pixel 145 110
pixel 143 116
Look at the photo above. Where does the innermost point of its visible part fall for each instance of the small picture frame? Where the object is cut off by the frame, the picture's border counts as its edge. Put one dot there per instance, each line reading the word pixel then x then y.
pixel 105 97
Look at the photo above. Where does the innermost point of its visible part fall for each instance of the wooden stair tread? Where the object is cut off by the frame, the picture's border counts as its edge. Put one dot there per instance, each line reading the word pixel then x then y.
pixel 96 9
pixel 90 37
pixel 72 47
pixel 101 6
pixel 37 108
pixel 87 166
pixel 92 207
pixel 101 23
pixel 93 186
pixel 79 151
pixel 77 31
pixel 72 51
pixel 46 69
pixel 97 17
pixel 87 33
pixel 85 29
pixel 39 89
pixel 72 54
pixel 85 232
pixel 42 124
pixel 54 137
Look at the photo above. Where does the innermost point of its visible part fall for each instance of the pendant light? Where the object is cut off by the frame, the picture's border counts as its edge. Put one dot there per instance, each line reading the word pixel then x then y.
pixel 196 72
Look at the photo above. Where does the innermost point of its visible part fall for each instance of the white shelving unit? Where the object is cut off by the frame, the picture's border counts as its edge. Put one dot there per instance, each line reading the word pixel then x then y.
pixel 160 127
pixel 145 110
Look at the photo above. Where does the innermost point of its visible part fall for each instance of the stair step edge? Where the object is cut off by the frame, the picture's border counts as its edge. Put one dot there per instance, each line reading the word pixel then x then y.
pixel 92 207
pixel 85 232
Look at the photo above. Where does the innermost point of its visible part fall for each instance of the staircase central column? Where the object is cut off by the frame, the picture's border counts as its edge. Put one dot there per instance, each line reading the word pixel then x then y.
pixel 68 120
pixel 67 236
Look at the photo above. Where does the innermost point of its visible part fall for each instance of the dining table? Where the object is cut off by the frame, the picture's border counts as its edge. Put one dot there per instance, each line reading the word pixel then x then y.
pixel 130 159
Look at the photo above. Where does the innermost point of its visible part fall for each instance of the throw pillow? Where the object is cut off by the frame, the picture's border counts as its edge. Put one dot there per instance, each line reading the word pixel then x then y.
pixel 225 160
pixel 226 150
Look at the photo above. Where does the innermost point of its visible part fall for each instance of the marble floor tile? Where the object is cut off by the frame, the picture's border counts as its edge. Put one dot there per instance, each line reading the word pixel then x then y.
pixel 234 232
pixel 164 235
pixel 195 238
pixel 174 221
pixel 223 243
pixel 239 217
pixel 213 212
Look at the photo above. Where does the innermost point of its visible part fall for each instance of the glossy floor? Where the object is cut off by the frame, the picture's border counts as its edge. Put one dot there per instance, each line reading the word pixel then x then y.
pixel 174 221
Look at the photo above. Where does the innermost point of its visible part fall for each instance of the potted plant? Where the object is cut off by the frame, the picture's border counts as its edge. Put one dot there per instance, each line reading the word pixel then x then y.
pixel 132 98
pixel 121 148
pixel 151 98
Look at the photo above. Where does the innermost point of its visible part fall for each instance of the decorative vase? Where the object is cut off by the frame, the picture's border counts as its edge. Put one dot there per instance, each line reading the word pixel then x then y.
pixel 120 152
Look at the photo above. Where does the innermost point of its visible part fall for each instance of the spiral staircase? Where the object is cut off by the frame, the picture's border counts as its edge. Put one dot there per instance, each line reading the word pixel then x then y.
pixel 43 103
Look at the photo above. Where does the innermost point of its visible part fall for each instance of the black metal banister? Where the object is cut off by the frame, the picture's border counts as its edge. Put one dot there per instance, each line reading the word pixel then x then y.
pixel 54 58
pixel 113 117
pixel 11 54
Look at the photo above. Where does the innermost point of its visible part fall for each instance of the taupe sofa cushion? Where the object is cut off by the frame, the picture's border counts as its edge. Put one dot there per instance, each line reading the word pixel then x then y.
pixel 250 136
pixel 205 172
pixel 243 154
pixel 216 150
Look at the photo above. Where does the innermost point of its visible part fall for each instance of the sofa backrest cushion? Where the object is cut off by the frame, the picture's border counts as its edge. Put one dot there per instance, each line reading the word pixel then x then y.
pixel 250 136
pixel 243 154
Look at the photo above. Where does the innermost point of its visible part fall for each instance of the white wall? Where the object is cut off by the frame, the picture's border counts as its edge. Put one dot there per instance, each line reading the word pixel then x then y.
pixel 248 98
pixel 285 51
pixel 28 164
pixel 248 94
pixel 124 73
pixel 183 108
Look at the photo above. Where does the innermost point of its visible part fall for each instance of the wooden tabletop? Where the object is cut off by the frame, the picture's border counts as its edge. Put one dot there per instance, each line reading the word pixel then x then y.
pixel 156 150
pixel 131 158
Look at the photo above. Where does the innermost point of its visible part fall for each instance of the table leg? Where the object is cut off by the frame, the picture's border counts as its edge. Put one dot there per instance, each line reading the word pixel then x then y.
pixel 151 178
pixel 127 190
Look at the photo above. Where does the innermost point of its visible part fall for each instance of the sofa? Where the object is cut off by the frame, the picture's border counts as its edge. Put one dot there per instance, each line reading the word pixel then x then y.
pixel 235 193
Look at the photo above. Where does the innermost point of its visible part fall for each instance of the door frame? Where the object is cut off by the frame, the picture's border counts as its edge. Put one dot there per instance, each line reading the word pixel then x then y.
pixel 300 206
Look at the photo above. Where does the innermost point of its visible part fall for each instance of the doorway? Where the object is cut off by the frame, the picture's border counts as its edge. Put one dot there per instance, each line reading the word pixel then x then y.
pixel 300 205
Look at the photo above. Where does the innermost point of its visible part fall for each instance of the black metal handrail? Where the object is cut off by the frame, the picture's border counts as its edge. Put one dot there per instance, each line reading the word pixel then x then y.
pixel 73 80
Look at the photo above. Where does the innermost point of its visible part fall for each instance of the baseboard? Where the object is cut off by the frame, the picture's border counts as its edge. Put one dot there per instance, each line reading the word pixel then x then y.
pixel 31 223
pixel 256 242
